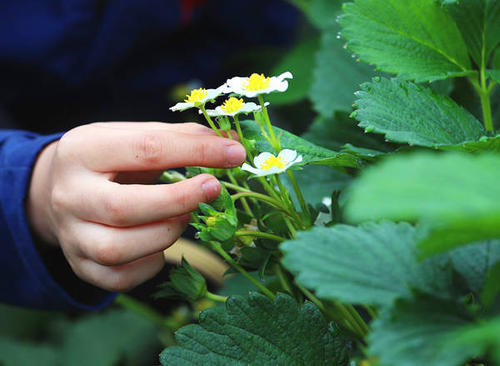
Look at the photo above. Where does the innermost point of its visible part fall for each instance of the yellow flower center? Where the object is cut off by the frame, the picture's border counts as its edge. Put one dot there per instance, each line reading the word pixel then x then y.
pixel 257 82
pixel 232 105
pixel 273 161
pixel 196 96
pixel 211 221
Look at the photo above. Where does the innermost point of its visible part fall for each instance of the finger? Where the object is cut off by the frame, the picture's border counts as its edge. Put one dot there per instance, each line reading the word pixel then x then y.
pixel 111 246
pixel 120 278
pixel 127 150
pixel 188 127
pixel 130 205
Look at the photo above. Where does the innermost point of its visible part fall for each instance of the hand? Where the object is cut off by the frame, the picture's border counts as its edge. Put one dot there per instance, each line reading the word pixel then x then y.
pixel 88 195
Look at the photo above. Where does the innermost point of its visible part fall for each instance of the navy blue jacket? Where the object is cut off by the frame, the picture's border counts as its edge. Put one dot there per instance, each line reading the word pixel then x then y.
pixel 71 50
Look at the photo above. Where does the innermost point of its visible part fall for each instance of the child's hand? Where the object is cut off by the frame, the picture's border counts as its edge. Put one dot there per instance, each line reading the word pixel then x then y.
pixel 113 234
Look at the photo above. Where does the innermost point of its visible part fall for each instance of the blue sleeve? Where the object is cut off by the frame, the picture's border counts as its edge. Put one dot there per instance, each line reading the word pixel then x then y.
pixel 25 279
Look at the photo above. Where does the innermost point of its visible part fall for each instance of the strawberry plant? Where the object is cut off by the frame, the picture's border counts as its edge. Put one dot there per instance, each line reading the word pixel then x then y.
pixel 373 238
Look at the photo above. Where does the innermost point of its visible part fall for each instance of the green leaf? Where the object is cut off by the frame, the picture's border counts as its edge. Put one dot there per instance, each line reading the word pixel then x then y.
pixel 300 62
pixel 458 195
pixel 479 23
pixel 334 133
pixel 101 340
pixel 21 323
pixel 474 261
pixel 442 87
pixel 484 144
pixel 451 233
pixel 310 152
pixel 482 336
pixel 23 353
pixel 492 286
pixel 496 60
pixel 336 77
pixel 254 330
pixel 494 74
pixel 420 333
pixel 369 264
pixel 416 39
pixel 409 113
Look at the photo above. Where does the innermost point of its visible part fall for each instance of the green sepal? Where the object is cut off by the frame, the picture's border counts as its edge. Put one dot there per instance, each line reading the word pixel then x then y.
pixel 185 283
pixel 208 210
pixel 220 221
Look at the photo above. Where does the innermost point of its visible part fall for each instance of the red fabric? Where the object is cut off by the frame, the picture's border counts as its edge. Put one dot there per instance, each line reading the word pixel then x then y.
pixel 188 7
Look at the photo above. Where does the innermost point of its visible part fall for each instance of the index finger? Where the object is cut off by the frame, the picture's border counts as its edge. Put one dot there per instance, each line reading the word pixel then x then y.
pixel 142 149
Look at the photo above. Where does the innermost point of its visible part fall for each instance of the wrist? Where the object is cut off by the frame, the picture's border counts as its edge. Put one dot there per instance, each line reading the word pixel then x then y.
pixel 38 200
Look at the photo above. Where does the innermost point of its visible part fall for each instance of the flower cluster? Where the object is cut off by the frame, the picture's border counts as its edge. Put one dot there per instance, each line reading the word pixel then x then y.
pixel 250 87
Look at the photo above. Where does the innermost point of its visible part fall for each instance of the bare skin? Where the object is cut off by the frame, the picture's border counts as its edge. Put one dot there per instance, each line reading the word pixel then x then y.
pixel 89 194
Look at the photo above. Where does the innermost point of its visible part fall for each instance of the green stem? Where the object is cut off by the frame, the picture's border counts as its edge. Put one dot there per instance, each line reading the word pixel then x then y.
pixel 244 202
pixel 209 120
pixel 371 311
pixel 273 202
pixel 216 247
pixel 242 138
pixel 247 190
pixel 285 282
pixel 235 187
pixel 484 90
pixel 283 190
pixel 348 317
pixel 286 198
pixel 486 104
pixel 215 297
pixel 359 320
pixel 275 143
pixel 343 318
pixel 300 197
pixel 245 185
pixel 259 234
pixel 290 226
pixel 268 188
pixel 261 197
pixel 141 309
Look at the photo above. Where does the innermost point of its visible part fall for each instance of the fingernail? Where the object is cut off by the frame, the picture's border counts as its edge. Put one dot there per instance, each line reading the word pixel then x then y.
pixel 211 188
pixel 235 154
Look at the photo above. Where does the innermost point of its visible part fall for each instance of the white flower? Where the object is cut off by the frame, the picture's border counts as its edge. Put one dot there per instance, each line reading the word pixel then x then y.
pixel 257 84
pixel 197 98
pixel 232 107
pixel 266 163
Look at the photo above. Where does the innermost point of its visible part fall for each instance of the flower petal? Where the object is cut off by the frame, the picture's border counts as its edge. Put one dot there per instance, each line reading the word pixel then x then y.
pixel 285 75
pixel 182 106
pixel 253 170
pixel 287 155
pixel 298 160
